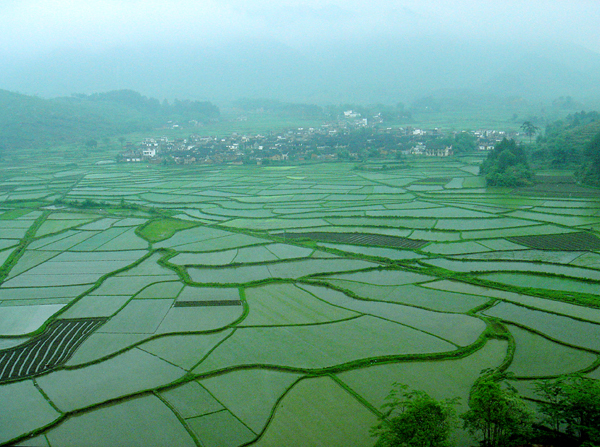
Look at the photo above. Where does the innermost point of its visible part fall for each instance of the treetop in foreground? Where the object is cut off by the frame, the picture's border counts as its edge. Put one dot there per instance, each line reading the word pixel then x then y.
pixel 413 418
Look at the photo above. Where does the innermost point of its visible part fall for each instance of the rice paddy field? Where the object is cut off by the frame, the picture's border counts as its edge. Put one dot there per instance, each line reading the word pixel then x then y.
pixel 225 306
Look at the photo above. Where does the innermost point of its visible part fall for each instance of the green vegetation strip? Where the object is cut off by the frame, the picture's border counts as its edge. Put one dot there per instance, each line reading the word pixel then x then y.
pixel 161 229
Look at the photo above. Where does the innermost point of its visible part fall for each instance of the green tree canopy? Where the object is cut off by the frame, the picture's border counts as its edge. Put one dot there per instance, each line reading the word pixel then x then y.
pixel 506 165
pixel 590 172
pixel 529 129
pixel 571 404
pixel 91 143
pixel 415 419
pixel 497 415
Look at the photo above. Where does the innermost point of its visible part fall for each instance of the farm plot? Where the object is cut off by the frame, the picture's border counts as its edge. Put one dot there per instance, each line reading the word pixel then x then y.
pixel 442 325
pixel 219 429
pixel 571 221
pixel 169 289
pixel 212 258
pixel 502 266
pixel 325 414
pixel 13 230
pixel 193 235
pixel 563 329
pixel 446 212
pixel 489 223
pixel 252 394
pixel 290 269
pixel 29 259
pixel 140 422
pixel 248 255
pixel 141 316
pixel 127 373
pixel 539 229
pixel 381 277
pixel 537 356
pixel 557 257
pixel 578 241
pixel 455 248
pixel 67 219
pixel 320 346
pixel 379 252
pixel 91 306
pixel 129 285
pixel 185 351
pixel 62 241
pixel 410 295
pixel 443 378
pixel 358 239
pixel 47 351
pixel 40 295
pixel 223 243
pixel 543 282
pixel 21 320
pixel 275 223
pixel 200 319
pixel 191 400
pixel 558 307
pixel 7 243
pixel 223 359
pixel 383 222
pixel 24 409
pixel 73 269
pixel 590 260
pixel 286 304
pixel 100 345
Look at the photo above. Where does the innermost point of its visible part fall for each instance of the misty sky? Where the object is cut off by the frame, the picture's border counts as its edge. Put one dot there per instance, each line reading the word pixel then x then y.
pixel 31 27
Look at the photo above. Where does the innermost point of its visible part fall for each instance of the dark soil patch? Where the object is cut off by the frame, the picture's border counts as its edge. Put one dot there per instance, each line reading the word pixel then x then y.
pixel 581 241
pixel 379 240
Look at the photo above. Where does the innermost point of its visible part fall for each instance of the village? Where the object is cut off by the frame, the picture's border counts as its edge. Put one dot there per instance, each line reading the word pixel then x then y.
pixel 352 138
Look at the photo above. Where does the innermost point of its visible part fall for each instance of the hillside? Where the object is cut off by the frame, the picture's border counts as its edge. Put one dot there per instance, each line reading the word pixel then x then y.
pixel 564 141
pixel 29 122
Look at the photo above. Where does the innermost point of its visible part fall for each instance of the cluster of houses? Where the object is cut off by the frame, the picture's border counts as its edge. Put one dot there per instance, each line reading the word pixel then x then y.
pixel 328 142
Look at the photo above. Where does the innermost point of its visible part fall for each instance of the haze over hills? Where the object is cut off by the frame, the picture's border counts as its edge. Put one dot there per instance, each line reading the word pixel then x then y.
pixel 352 71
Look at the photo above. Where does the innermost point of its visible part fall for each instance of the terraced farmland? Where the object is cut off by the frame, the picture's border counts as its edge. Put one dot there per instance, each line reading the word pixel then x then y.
pixel 235 305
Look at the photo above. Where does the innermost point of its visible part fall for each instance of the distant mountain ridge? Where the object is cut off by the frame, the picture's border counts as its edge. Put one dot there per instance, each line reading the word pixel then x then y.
pixel 364 72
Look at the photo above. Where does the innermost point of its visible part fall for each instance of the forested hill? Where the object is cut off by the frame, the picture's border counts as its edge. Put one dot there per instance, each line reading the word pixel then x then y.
pixel 572 143
pixel 564 142
pixel 29 122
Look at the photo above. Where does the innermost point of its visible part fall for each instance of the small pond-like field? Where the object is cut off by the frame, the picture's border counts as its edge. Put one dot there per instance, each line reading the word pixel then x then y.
pixel 231 305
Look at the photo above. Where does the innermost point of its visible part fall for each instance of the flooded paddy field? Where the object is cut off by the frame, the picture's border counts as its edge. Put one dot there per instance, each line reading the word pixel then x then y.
pixel 233 305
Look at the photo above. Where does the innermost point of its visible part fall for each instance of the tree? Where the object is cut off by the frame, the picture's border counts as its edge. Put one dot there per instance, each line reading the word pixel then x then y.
pixel 589 172
pixel 496 413
pixel 592 152
pixel 464 142
pixel 91 143
pixel 529 129
pixel 573 404
pixel 506 165
pixel 415 419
